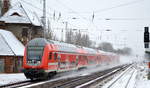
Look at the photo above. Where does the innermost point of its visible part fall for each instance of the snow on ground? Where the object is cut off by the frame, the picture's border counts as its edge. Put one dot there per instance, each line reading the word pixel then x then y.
pixel 87 71
pixel 90 70
pixel 11 78
pixel 142 78
pixel 121 80
pixel 139 78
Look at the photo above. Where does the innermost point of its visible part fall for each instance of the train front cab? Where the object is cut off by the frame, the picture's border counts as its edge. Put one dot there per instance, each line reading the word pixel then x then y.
pixel 35 62
pixel 33 67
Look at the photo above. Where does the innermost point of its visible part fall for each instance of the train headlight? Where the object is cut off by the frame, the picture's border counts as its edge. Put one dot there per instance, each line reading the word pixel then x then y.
pixel 39 62
pixel 32 61
pixel 28 61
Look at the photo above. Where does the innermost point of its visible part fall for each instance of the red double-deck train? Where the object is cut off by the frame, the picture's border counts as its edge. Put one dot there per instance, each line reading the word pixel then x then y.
pixel 44 58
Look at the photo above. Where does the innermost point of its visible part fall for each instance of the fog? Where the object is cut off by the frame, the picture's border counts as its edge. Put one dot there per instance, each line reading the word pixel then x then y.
pixel 131 59
pixel 89 70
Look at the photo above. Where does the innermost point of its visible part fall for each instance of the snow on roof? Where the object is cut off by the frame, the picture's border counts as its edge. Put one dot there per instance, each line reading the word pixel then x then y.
pixel 10 45
pixel 18 14
pixel 4 48
pixel 106 53
pixel 90 50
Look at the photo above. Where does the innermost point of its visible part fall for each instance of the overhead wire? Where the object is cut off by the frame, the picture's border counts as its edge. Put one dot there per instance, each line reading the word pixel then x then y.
pixel 110 8
pixel 71 10
pixel 95 12
pixel 41 9
pixel 118 6
pixel 84 18
pixel 127 19
pixel 35 7
pixel 113 7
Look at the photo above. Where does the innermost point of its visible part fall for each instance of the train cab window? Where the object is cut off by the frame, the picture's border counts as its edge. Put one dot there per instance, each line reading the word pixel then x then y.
pixel 50 55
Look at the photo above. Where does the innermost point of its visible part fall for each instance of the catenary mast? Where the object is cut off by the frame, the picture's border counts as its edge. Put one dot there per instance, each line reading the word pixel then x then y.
pixel 44 18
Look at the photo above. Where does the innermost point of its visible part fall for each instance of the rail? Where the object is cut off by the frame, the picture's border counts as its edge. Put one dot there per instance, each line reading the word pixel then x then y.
pixel 125 77
pixel 79 81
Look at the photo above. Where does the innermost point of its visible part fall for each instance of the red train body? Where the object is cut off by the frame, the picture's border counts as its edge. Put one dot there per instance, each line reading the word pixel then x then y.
pixel 44 58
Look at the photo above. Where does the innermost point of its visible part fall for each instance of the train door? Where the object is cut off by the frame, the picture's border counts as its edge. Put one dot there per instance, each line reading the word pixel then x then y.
pixel 86 60
pixel 59 60
pixel 62 64
pixel 72 62
pixel 67 61
pixel 77 60
pixel 52 61
pixel 99 59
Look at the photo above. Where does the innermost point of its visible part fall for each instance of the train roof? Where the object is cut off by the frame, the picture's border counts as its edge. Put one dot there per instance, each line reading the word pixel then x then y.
pixel 10 45
pixel 38 42
pixel 106 53
pixel 61 46
pixel 65 46
pixel 90 50
pixel 72 48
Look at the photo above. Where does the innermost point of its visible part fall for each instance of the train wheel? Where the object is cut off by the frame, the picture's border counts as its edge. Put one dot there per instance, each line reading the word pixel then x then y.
pixel 51 74
pixel 32 79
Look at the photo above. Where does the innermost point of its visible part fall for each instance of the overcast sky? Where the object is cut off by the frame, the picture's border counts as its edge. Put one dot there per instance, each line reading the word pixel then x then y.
pixel 126 19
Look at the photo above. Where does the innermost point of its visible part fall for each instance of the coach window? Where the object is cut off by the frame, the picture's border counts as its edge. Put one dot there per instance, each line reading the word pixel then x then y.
pixel 77 59
pixel 50 55
pixel 55 56
pixel 99 57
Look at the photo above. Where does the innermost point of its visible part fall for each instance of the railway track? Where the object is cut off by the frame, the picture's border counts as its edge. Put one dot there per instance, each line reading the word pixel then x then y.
pixel 102 77
pixel 19 84
pixel 80 81
pixel 72 82
pixel 123 80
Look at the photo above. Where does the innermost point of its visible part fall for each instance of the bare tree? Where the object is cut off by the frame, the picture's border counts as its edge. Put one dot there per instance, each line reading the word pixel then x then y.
pixel 49 33
pixel 78 39
pixel 124 51
pixel 108 47
pixel 105 46
pixel 55 38
pixel 85 40
pixel 69 37
pixel 82 40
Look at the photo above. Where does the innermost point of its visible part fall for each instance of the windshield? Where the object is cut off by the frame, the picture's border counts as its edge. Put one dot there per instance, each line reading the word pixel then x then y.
pixel 35 52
